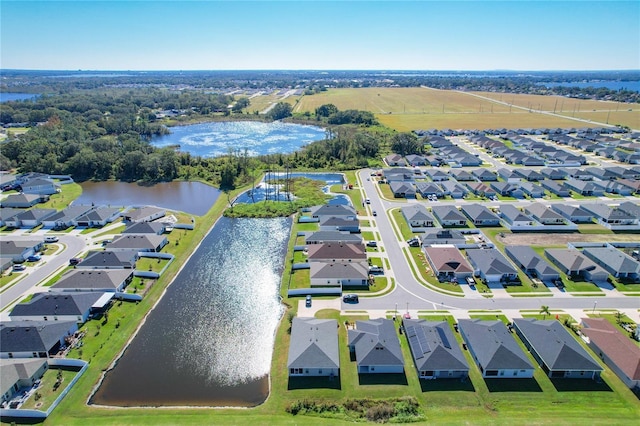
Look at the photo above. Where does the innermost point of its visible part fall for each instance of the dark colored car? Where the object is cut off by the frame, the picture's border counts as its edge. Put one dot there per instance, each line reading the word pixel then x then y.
pixel 308 301
pixel 74 261
pixel 350 298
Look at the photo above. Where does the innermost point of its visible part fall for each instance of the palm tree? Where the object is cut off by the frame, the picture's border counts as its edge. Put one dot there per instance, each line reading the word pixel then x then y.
pixel 544 310
pixel 619 317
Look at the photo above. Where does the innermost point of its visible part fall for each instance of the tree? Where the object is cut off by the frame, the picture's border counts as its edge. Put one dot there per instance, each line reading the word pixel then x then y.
pixel 280 110
pixel 241 104
pixel 619 317
pixel 406 143
pixel 544 310
pixel 326 110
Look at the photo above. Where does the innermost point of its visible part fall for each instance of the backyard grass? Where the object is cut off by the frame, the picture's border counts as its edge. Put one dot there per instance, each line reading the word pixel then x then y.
pixel 150 264
pixel 61 200
pixel 46 391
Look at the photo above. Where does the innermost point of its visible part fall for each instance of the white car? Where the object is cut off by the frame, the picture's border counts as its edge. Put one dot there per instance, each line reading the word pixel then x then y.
pixel 50 239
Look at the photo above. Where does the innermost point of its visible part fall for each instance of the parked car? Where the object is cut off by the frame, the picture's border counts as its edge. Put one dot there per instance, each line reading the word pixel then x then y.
pixel 372 244
pixel 308 301
pixel 34 258
pixel 376 270
pixel 350 298
pixel 19 267
pixel 50 239
pixel 414 242
pixel 74 261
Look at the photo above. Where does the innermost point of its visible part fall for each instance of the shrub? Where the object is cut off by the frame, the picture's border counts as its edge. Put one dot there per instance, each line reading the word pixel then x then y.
pixel 380 413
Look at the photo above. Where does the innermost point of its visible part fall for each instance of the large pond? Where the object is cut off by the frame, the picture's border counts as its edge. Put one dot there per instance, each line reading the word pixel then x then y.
pixel 209 341
pixel 217 138
pixel 190 197
pixel 6 97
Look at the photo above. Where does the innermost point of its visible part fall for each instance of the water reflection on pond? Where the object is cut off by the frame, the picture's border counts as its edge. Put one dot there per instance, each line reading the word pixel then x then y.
pixel 209 341
pixel 191 197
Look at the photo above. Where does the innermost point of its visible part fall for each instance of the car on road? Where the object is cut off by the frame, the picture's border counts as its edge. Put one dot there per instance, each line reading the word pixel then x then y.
pixel 350 298
pixel 368 201
pixel 74 261
pixel 307 301
pixel 34 258
pixel 19 267
pixel 51 239
pixel 374 213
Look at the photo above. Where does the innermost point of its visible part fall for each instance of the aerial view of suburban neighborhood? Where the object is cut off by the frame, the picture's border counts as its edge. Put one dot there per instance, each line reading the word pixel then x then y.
pixel 306 244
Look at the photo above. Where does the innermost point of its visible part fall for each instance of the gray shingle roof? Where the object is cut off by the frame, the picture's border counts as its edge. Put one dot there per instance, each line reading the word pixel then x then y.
pixel 314 343
pixel 433 346
pixel 33 336
pixel 57 304
pixel 376 343
pixel 490 261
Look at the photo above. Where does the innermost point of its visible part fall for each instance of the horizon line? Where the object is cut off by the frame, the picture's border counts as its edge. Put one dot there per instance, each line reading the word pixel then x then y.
pixel 323 70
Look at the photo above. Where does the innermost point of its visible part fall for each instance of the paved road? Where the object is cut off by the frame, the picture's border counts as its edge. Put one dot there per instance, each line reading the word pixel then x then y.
pixel 409 290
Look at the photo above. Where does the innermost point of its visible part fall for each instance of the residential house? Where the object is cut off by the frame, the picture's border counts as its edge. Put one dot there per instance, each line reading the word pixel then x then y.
pixel 138 242
pixel 630 208
pixel 427 189
pixel 544 214
pixel 509 175
pixel 402 189
pixel 98 217
pixel 491 265
pixel 18 249
pixel 616 187
pixel 107 259
pixel 532 190
pixel 40 186
pixel 480 215
pixel 416 160
pixel 602 173
pixel 634 185
pixel 553 173
pixel 23 201
pixel 332 252
pixel 65 218
pixel 461 175
pixel 313 348
pixel 576 265
pixel 556 350
pixel 417 216
pixel 614 261
pixel 7 213
pixel 339 273
pixel 514 216
pixel 29 218
pixel 441 236
pixel 398 175
pixel 448 262
pixel 395 160
pixel 507 189
pixel 18 375
pixel 333 210
pixel 532 263
pixel 376 347
pixel 610 216
pixel 615 349
pixel 332 223
pixel 321 237
pixel 143 214
pixel 556 188
pixel 102 280
pixel 437 175
pixel 60 306
pixel 34 339
pixel 585 188
pixel 481 189
pixel 156 228
pixel 484 174
pixel 454 189
pixel 449 216
pixel 530 175
pixel 573 213
pixel 434 349
pixel 495 350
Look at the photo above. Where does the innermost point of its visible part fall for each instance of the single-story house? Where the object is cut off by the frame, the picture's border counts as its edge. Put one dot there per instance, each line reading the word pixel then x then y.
pixel 29 218
pixel 139 242
pixel 556 350
pixel 107 259
pixel 7 213
pixel 65 218
pixel 102 280
pixel 630 208
pixel 454 189
pixel 40 186
pixel 336 223
pixel 556 188
pixel 416 160
pixel 417 216
pixel 23 201
pixel 145 228
pixel 395 160
pixel 532 190
pixel 437 175
pixel 461 175
pixel 573 213
pixel 544 214
pixel 480 215
pixel 321 237
pixel 34 339
pixel 529 174
pixel 614 261
pixel 514 216
pixel 19 249
pixel 313 348
pixel 495 350
pixel 333 210
pixel 481 189
pixel 449 216
pixel 608 216
pixel 426 189
pixel 448 262
pixel 614 348
pixel 402 189
pixel 585 188
pixel 553 173
pixel 440 236
pixel 491 265
pixel 507 189
pixel 339 273
pixel 335 251
pixel 376 346
pixel 61 306
pixel 484 174
pixel 434 349
pixel 144 214
pixel 532 263
pixel 98 217
pixel 18 374
pixel 575 264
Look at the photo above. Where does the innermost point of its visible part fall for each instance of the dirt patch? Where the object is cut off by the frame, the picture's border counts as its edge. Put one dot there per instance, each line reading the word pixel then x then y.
pixel 548 239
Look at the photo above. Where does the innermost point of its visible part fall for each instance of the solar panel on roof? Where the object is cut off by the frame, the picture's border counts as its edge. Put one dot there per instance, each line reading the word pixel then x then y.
pixel 443 337
pixel 422 339
pixel 413 342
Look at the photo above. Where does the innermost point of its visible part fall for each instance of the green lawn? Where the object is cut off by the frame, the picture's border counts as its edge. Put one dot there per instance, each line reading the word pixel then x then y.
pixel 46 393
pixel 405 230
pixel 425 273
pixel 150 264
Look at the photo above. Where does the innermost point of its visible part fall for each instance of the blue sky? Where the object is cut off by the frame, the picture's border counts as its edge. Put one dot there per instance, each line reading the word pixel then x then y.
pixel 415 35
